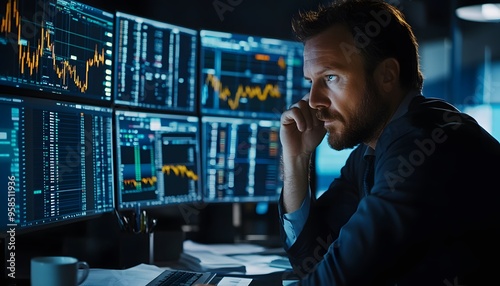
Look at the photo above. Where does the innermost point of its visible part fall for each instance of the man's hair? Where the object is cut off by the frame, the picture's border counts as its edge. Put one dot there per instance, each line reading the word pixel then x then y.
pixel 379 29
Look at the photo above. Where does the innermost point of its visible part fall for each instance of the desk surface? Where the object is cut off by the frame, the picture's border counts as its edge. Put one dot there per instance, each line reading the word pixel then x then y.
pixel 99 277
pixel 144 272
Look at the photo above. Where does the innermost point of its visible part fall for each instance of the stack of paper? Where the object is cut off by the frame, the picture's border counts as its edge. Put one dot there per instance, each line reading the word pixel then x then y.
pixel 224 248
pixel 201 260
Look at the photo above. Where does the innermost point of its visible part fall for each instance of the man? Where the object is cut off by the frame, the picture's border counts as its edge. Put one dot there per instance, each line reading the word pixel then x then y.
pixel 426 212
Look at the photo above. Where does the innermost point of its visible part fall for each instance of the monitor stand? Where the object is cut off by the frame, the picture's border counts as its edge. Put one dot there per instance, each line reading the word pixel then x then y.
pixel 216 224
pixel 238 222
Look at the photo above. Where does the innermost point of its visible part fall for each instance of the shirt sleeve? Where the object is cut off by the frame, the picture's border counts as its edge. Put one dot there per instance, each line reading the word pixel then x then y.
pixel 293 222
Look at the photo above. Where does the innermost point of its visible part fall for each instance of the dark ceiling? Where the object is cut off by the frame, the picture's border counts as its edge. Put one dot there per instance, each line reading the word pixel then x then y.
pixel 431 19
pixel 268 17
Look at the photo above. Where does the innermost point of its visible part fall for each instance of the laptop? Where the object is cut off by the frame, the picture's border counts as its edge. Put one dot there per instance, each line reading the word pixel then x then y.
pixel 182 277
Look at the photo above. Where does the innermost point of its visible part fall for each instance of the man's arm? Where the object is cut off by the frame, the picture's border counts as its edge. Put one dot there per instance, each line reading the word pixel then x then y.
pixel 300 133
pixel 325 217
pixel 294 222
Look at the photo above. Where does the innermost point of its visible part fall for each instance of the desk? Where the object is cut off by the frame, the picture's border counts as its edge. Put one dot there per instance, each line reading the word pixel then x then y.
pixel 255 258
pixel 115 277
pixel 143 273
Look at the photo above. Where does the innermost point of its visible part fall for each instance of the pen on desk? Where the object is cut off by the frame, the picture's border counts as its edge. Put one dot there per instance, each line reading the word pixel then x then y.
pixel 144 222
pixel 120 220
pixel 153 225
pixel 127 223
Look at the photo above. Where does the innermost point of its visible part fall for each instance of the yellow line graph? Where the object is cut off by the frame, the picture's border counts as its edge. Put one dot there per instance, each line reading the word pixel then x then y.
pixel 30 59
pixel 242 91
pixel 179 170
pixel 147 181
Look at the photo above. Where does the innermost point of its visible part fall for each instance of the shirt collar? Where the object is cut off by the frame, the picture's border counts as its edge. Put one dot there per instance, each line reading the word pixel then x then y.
pixel 402 109
pixel 403 106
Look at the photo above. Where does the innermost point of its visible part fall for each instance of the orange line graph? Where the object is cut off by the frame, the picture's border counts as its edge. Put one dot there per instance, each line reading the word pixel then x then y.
pixel 242 91
pixel 31 59
pixel 147 181
pixel 179 170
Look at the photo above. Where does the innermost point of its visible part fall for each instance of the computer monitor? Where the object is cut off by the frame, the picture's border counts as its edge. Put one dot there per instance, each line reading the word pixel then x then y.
pixel 155 64
pixel 487 115
pixel 60 48
pixel 157 158
pixel 327 165
pixel 249 76
pixel 54 161
pixel 241 161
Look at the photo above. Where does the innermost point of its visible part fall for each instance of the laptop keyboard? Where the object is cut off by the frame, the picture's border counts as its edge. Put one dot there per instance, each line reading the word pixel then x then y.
pixel 175 278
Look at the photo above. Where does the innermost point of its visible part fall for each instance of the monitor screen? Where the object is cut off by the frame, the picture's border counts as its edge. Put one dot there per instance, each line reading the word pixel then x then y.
pixel 241 159
pixel 327 165
pixel 157 159
pixel 249 76
pixel 155 64
pixel 487 115
pixel 54 160
pixel 59 47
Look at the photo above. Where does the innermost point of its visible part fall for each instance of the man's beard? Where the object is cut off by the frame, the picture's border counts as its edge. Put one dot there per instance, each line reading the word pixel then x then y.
pixel 363 125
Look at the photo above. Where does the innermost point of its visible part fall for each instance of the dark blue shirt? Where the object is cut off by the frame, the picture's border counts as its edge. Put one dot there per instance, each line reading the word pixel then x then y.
pixel 431 217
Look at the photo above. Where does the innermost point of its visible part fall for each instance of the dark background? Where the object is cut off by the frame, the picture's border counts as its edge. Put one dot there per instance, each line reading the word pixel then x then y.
pixel 453 52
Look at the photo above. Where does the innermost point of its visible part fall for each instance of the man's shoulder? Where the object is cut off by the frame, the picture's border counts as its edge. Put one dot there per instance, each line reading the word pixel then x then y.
pixel 424 110
pixel 421 102
pixel 428 118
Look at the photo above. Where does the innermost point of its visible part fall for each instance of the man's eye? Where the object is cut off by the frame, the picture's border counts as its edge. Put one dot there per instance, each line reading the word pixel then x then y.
pixel 331 77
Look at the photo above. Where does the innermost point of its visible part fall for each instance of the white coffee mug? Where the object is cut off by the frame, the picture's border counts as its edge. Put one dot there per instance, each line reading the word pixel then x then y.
pixel 58 271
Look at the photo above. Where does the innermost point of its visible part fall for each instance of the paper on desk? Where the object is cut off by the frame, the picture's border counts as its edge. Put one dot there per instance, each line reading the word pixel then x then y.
pixel 224 248
pixel 138 275
pixel 201 260
pixel 234 281
pixel 257 264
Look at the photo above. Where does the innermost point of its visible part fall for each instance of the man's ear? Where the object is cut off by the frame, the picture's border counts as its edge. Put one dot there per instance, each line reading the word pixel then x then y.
pixel 387 75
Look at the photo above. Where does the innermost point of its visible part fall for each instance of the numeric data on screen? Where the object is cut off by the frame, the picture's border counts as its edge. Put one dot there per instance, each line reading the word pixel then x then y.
pixel 241 159
pixel 155 64
pixel 58 153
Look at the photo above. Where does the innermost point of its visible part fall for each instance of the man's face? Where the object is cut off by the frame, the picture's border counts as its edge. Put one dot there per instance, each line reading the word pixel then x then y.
pixel 345 98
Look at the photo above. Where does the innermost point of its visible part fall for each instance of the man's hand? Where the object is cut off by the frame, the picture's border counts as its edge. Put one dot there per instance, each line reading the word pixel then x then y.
pixel 301 131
